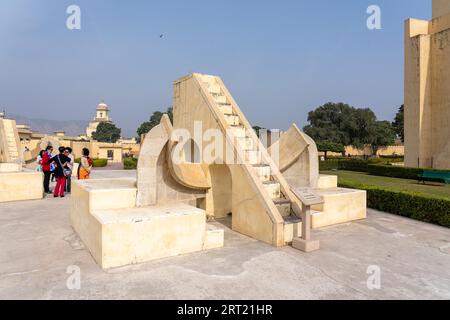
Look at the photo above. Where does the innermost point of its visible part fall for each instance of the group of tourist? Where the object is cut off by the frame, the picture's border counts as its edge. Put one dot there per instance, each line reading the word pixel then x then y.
pixel 61 167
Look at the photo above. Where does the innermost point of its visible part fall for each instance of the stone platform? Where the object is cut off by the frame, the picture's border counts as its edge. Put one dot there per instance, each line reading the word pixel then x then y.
pixel 20 185
pixel 341 205
pixel 117 233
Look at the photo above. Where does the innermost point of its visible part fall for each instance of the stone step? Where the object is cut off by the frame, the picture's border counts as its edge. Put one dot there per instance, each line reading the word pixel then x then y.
pixel 208 79
pixel 214 89
pixel 252 157
pixel 226 108
pixel 284 206
pixel 232 119
pixel 239 131
pixel 221 99
pixel 263 171
pixel 245 143
pixel 273 188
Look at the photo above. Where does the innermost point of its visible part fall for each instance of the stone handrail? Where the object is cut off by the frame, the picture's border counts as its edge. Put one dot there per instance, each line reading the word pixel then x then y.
pixel 262 193
pixel 285 188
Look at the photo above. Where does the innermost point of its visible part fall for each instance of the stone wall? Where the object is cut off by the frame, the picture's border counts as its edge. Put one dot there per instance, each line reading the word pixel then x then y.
pixel 427 89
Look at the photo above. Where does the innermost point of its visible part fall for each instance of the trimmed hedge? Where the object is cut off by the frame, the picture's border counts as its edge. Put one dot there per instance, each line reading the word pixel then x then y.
pixel 416 206
pixel 129 163
pixel 394 171
pixel 329 165
pixel 398 172
pixel 354 164
pixel 99 163
pixel 376 167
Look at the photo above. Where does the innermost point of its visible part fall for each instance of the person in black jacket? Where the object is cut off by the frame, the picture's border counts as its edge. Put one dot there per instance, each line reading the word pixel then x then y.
pixel 61 171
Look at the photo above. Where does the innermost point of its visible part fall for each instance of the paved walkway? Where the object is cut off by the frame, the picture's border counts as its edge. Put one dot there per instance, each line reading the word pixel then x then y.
pixel 37 245
pixel 109 167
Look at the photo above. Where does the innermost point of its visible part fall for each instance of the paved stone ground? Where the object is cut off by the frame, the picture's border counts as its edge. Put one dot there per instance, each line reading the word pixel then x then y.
pixel 37 245
pixel 111 167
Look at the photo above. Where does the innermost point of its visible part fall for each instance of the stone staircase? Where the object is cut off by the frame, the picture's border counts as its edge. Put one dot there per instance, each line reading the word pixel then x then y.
pixel 11 142
pixel 248 147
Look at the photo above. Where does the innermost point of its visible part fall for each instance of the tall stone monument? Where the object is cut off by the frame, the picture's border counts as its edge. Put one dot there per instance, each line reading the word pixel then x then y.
pixel 427 89
pixel 184 180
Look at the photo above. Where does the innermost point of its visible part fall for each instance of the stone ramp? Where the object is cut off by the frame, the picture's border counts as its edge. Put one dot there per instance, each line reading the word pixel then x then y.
pixel 264 207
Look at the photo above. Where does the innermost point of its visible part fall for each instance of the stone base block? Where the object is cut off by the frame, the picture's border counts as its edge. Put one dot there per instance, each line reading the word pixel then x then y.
pixel 20 186
pixel 118 234
pixel 306 245
pixel 341 206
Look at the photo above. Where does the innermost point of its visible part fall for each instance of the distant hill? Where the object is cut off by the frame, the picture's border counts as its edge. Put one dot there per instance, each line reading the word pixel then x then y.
pixel 72 128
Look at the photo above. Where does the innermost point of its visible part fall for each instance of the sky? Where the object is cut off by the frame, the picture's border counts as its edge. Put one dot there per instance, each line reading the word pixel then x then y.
pixel 280 59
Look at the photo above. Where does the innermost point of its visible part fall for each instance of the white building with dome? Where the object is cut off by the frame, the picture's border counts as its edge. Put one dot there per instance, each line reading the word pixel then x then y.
pixel 101 116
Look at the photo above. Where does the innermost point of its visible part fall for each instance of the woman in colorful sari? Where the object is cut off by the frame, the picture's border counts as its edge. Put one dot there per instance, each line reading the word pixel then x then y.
pixel 84 169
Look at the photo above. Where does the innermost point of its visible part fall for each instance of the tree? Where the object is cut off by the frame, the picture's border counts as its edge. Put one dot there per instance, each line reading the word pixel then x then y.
pixel 329 146
pixel 362 127
pixel 155 120
pixel 107 132
pixel 399 123
pixel 326 123
pixel 382 135
pixel 341 124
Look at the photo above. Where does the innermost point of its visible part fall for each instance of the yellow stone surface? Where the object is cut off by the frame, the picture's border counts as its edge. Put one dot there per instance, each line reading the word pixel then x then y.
pixel 164 214
pixel 327 181
pixel 300 166
pixel 20 186
pixel 440 8
pixel 427 94
pixel 206 100
pixel 10 150
pixel 9 167
pixel 341 206
pixel 117 233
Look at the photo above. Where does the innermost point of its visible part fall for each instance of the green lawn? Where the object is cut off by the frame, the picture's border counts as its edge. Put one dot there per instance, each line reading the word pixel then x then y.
pixel 437 191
